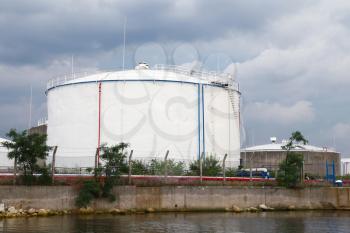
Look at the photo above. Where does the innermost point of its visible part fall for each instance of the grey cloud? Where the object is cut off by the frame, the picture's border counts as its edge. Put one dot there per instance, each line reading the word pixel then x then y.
pixel 50 28
pixel 289 52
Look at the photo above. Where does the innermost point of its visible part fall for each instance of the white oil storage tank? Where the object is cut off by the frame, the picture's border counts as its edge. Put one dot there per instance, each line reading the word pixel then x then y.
pixel 154 110
pixel 5 162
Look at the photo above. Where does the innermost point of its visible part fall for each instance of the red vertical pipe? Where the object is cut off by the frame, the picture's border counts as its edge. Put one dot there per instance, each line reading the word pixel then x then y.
pixel 99 123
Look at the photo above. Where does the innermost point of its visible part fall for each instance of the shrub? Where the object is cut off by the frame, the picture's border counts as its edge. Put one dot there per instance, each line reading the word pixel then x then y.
pixel 231 172
pixel 210 167
pixel 138 167
pixel 157 167
pixel 45 178
pixel 89 190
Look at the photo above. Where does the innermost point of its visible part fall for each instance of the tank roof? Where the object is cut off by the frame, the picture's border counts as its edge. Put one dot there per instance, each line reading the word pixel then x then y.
pixel 278 147
pixel 159 72
pixel 4 140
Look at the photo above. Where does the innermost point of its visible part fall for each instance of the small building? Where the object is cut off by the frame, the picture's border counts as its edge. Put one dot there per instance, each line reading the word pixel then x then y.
pixel 39 129
pixel 271 155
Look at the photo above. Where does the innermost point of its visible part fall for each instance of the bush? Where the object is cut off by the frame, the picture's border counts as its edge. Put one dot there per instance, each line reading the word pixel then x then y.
pixel 210 167
pixel 45 178
pixel 157 167
pixel 138 167
pixel 231 172
pixel 89 191
pixel 114 158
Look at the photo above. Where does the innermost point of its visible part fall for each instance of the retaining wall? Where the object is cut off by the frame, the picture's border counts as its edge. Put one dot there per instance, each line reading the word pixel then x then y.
pixel 172 198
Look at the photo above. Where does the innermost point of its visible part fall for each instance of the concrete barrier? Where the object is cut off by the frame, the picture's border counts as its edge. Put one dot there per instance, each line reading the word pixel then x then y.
pixel 180 198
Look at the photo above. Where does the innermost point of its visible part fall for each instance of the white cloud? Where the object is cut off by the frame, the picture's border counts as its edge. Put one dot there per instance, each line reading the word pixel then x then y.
pixel 275 113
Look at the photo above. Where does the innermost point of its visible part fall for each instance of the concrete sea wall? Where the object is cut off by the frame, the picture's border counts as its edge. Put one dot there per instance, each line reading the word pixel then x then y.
pixel 180 198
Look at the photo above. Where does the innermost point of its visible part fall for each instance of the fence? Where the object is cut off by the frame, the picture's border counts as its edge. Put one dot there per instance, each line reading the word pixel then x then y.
pixel 160 166
pixel 165 166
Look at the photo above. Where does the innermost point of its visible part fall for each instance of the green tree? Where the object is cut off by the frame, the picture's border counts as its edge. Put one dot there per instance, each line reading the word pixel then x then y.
pixel 26 149
pixel 289 173
pixel 295 139
pixel 115 164
pixel 210 167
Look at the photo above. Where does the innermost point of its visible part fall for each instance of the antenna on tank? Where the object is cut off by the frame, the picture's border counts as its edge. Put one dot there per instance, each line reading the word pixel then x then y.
pixel 124 41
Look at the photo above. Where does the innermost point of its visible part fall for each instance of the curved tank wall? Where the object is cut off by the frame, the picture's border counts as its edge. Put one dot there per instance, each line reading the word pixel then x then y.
pixel 5 161
pixel 152 111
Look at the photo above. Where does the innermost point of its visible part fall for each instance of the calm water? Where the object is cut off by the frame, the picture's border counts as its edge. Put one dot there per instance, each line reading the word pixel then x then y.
pixel 281 222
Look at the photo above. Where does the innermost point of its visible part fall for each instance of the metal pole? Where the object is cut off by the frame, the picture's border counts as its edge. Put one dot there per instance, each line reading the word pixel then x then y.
pixel 223 168
pixel 333 169
pixel 96 160
pixel 302 173
pixel 166 164
pixel 327 178
pixel 250 167
pixel 129 163
pixel 14 171
pixel 53 164
pixel 201 167
pixel 99 121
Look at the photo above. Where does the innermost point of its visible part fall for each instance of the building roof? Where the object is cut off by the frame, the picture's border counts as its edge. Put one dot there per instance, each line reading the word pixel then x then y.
pixel 164 73
pixel 4 140
pixel 278 147
pixel 2 148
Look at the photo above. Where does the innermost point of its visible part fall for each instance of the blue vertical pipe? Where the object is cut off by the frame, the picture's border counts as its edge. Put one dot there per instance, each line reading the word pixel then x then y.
pixel 333 169
pixel 203 120
pixel 327 170
pixel 199 122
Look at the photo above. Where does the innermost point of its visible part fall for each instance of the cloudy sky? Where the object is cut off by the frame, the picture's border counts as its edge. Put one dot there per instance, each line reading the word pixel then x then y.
pixel 293 56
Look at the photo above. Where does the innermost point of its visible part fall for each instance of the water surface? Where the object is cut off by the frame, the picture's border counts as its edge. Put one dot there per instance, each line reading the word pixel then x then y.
pixel 270 222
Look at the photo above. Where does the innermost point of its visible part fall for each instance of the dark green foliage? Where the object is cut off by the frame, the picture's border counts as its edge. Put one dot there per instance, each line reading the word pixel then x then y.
pixel 115 164
pixel 115 160
pixel 296 137
pixel 210 167
pixel 231 172
pixel 157 167
pixel 272 173
pixel 26 149
pixel 89 190
pixel 45 178
pixel 138 167
pixel 289 173
pixel 290 170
